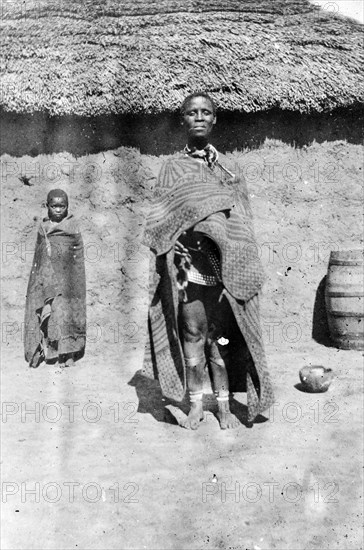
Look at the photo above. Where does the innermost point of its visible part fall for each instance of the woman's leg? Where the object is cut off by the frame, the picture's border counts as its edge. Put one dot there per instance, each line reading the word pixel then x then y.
pixel 219 317
pixel 193 323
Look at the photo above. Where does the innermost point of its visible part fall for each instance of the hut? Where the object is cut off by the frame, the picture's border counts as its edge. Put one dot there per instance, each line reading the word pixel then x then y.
pixel 88 76
pixel 84 78
pixel 90 91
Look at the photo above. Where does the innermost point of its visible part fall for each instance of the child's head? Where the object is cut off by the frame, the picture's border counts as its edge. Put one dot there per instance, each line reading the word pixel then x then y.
pixel 57 204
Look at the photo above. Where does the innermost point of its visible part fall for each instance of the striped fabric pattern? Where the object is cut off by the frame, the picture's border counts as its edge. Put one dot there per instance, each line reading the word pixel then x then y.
pixel 195 197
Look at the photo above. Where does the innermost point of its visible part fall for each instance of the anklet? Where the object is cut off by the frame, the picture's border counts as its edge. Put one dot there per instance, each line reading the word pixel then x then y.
pixel 222 395
pixel 195 396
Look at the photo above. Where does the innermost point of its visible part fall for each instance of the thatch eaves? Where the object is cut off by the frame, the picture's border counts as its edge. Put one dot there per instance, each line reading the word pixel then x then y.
pixel 101 57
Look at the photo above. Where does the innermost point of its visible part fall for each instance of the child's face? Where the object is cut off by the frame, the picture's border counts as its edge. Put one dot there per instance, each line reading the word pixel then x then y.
pixel 57 209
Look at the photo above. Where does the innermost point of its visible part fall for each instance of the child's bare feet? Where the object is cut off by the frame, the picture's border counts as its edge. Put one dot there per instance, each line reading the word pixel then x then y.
pixel 66 361
pixel 226 418
pixel 37 359
pixel 70 362
pixel 195 416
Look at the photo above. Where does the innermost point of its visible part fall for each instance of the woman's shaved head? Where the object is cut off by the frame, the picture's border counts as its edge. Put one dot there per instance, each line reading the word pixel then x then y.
pixel 197 94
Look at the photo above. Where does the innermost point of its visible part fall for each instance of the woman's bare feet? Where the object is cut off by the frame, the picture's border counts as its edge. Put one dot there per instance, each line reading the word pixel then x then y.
pixel 195 416
pixel 226 418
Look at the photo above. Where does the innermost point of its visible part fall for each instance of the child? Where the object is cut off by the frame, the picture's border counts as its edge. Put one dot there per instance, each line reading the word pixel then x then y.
pixel 55 313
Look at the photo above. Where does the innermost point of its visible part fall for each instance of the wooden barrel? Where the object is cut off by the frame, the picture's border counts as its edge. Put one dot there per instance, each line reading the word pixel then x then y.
pixel 344 297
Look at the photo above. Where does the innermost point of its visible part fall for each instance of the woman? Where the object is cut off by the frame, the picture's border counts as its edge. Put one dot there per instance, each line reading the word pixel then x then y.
pixel 205 277
pixel 55 312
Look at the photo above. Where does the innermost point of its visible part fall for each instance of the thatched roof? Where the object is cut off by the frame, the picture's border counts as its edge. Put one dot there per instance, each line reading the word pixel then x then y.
pixel 92 57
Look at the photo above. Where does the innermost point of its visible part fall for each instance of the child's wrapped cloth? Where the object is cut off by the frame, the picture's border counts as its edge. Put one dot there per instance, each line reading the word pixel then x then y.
pixel 55 313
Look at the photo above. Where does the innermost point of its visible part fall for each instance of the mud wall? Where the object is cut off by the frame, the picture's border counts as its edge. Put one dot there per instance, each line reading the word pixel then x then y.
pixel 304 176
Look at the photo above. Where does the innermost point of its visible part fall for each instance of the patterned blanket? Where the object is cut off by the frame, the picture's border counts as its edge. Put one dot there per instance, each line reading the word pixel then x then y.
pixel 57 285
pixel 189 194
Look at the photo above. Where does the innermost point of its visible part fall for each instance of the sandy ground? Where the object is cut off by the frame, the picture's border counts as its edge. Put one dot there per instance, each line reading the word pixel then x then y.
pixel 93 457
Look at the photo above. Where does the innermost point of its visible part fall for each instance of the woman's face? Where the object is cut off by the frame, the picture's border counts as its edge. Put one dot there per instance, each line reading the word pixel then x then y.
pixel 199 118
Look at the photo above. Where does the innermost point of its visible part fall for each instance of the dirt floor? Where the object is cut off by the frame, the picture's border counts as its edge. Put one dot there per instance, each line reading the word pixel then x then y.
pixel 93 457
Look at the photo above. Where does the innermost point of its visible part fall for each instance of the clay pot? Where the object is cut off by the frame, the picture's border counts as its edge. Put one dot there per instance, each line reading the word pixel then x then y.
pixel 316 378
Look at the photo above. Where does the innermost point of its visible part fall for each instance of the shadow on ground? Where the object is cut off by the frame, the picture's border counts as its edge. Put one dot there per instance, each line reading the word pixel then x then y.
pixel 320 327
pixel 151 401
